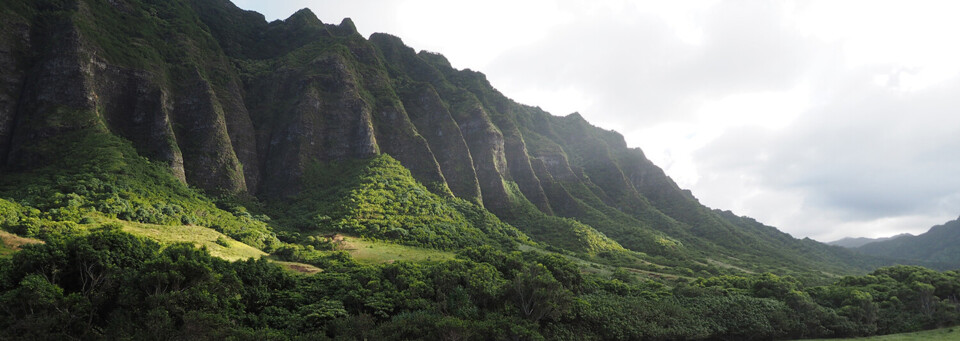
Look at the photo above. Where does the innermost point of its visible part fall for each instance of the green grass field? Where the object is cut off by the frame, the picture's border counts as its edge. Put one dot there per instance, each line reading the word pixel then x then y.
pixel 373 252
pixel 942 334
pixel 196 235
pixel 206 237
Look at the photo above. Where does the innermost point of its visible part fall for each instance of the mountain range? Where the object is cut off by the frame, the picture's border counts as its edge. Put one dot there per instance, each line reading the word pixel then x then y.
pixel 940 244
pixel 237 106
pixel 938 247
pixel 185 169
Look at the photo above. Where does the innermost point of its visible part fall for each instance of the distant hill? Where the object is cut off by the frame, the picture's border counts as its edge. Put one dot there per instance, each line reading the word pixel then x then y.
pixel 851 242
pixel 941 244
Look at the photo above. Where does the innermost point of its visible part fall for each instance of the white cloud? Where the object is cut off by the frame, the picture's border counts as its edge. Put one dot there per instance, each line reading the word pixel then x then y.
pixel 769 109
pixel 919 36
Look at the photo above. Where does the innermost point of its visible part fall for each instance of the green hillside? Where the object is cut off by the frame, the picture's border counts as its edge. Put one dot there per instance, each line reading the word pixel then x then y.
pixel 938 247
pixel 378 198
pixel 91 174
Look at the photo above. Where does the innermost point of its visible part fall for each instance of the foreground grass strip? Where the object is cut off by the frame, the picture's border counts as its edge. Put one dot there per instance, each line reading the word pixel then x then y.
pixel 942 334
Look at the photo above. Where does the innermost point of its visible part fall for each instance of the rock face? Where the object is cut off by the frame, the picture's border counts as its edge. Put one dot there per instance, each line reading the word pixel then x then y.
pixel 234 104
pixel 14 44
pixel 432 119
pixel 210 161
pixel 304 116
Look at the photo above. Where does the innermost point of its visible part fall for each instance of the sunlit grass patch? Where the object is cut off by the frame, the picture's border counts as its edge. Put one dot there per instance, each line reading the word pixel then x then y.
pixel 218 244
pixel 10 243
pixel 369 251
pixel 301 268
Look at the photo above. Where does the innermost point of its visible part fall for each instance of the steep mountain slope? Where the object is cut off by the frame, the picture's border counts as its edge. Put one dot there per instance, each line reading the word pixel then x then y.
pixel 940 244
pixel 239 107
pixel 378 198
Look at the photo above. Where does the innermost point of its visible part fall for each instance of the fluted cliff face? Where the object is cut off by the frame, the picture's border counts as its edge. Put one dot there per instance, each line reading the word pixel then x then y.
pixel 303 116
pixel 14 42
pixel 234 104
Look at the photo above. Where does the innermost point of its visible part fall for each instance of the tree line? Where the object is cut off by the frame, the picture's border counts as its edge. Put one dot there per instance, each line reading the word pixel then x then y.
pixel 107 284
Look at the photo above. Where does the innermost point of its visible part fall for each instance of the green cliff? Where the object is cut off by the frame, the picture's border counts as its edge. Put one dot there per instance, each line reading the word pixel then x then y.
pixel 234 105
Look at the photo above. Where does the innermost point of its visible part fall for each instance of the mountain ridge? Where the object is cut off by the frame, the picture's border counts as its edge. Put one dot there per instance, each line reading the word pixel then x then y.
pixel 237 106
pixel 855 242
pixel 940 244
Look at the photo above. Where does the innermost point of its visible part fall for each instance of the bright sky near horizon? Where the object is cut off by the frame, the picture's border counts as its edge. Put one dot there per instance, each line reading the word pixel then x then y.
pixel 825 119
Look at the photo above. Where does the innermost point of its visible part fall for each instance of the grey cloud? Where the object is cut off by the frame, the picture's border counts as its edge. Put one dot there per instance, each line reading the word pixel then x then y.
pixel 870 154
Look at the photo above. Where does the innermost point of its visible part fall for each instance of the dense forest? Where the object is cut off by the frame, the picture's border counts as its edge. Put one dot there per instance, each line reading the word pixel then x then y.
pixel 187 170
pixel 112 285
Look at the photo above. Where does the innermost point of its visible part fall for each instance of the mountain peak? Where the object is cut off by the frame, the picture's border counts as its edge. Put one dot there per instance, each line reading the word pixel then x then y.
pixel 304 16
pixel 435 58
pixel 347 25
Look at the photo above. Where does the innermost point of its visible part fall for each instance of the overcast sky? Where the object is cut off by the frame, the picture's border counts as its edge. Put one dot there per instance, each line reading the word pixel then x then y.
pixel 825 119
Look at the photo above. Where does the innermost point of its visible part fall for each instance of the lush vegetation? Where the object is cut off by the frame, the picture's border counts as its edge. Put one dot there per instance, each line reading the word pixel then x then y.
pixel 560 232
pixel 111 285
pixel 378 198
pixel 91 174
